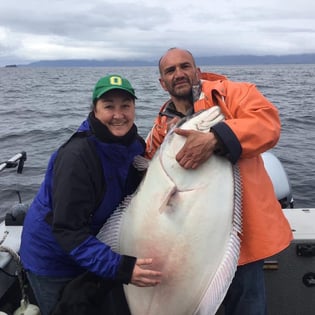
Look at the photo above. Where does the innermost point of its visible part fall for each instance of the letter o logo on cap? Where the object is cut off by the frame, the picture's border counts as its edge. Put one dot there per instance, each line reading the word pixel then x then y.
pixel 115 80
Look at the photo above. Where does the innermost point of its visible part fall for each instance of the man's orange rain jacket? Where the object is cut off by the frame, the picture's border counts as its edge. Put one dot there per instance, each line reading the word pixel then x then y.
pixel 251 127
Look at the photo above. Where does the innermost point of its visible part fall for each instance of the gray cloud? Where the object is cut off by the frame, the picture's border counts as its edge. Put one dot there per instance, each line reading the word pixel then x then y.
pixel 42 29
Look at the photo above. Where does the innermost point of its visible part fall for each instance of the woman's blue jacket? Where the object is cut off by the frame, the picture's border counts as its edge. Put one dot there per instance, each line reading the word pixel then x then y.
pixel 85 181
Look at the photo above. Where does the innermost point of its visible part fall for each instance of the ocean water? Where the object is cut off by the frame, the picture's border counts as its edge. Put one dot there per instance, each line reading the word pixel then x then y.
pixel 41 107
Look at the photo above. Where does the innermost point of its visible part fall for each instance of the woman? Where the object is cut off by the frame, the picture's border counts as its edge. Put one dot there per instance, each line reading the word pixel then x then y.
pixel 86 179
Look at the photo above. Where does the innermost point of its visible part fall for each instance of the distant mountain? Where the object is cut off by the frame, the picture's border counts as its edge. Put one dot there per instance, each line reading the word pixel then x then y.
pixel 90 63
pixel 214 60
pixel 252 60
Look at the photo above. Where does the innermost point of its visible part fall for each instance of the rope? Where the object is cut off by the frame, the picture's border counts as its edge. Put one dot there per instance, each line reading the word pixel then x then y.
pixel 20 273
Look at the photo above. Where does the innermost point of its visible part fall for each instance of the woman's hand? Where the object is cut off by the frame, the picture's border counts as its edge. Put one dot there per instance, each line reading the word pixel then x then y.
pixel 143 276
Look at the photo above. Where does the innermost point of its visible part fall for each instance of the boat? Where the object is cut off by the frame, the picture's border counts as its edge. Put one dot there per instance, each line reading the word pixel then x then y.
pixel 13 284
pixel 14 292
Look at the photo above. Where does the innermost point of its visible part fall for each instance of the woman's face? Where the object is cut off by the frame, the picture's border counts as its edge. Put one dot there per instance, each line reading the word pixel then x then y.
pixel 116 110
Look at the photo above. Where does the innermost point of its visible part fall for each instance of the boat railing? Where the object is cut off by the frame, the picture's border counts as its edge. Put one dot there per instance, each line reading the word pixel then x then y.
pixel 15 161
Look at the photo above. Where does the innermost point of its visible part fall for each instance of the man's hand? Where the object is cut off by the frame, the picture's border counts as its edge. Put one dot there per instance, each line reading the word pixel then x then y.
pixel 171 123
pixel 198 148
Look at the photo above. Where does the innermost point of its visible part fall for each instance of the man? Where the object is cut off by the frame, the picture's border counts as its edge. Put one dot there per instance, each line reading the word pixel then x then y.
pixel 251 127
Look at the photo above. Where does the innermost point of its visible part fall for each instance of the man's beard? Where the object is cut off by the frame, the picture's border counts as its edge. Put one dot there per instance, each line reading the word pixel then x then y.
pixel 186 96
pixel 181 95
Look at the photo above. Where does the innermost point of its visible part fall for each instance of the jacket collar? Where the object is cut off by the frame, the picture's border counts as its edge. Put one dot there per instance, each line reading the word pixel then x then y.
pixel 103 134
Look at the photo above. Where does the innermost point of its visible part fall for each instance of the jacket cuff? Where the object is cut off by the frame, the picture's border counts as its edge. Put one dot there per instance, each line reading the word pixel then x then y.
pixel 125 269
pixel 229 146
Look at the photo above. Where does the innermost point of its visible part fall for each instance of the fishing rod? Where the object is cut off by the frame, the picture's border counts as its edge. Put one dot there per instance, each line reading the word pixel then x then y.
pixel 15 161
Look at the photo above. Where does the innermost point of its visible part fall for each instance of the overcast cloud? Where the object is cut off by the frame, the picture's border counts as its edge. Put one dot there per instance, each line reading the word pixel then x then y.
pixel 101 29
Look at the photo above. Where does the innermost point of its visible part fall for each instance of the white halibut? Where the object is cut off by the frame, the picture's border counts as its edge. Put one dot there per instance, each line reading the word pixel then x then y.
pixel 189 222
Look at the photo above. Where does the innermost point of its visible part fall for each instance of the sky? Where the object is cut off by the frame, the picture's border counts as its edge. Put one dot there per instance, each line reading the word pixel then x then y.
pixel 33 30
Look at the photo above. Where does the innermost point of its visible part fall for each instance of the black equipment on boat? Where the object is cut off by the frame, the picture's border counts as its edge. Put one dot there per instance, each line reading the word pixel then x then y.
pixel 16 161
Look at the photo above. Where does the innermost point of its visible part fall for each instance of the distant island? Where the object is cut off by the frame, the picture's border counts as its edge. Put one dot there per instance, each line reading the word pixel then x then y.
pixel 201 61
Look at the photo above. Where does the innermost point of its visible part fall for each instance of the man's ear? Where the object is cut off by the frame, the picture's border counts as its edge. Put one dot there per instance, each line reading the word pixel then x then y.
pixel 162 84
pixel 198 74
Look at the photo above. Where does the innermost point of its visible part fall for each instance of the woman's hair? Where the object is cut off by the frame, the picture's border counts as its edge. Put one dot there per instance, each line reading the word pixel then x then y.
pixel 93 104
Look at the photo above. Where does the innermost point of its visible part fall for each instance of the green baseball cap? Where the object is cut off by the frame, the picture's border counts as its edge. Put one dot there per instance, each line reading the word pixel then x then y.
pixel 112 82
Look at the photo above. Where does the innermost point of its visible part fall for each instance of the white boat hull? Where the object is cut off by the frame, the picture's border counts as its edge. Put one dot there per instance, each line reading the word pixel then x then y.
pixel 12 235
